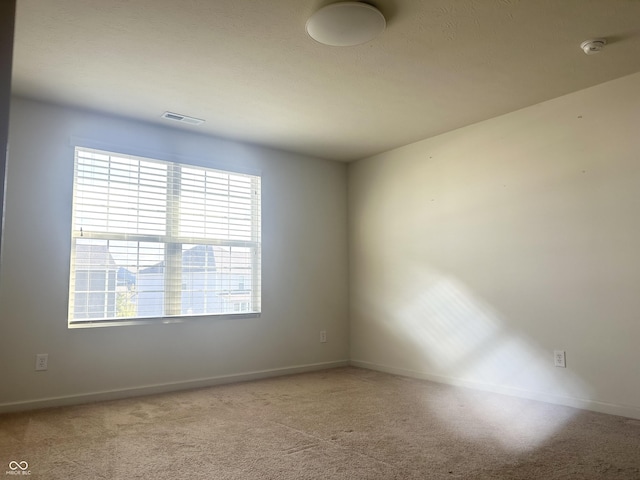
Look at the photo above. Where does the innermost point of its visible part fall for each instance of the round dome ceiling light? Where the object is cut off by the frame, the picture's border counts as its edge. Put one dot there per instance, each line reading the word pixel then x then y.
pixel 346 24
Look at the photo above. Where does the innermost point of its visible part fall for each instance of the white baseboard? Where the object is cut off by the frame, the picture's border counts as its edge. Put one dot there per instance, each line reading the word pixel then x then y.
pixel 164 387
pixel 584 404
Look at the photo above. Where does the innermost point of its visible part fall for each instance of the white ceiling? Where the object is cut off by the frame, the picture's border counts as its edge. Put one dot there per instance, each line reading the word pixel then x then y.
pixel 249 69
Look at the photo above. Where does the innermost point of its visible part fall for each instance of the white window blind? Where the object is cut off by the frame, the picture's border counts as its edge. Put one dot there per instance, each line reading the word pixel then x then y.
pixel 155 239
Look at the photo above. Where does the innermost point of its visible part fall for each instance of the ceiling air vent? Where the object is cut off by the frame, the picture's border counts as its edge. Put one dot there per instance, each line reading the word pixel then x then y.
pixel 182 118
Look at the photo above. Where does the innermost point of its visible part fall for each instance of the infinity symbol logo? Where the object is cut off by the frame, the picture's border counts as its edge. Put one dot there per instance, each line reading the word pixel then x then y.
pixel 13 465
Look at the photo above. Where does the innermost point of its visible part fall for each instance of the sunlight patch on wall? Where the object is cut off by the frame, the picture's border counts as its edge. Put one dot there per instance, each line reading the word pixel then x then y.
pixel 465 341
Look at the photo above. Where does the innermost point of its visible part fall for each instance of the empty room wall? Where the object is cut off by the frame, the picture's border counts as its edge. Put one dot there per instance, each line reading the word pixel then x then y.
pixel 304 270
pixel 475 254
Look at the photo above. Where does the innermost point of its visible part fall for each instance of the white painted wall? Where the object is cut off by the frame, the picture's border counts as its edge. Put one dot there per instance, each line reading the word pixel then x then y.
pixel 476 253
pixel 304 270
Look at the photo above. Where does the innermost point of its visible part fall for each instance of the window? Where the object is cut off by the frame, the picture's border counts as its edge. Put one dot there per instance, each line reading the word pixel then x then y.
pixel 155 239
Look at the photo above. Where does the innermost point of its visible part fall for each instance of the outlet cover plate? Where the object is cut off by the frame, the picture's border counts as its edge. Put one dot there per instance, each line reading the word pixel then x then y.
pixel 42 361
pixel 560 358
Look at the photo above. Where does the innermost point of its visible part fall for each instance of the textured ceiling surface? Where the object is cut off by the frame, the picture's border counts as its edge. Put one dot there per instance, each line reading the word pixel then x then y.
pixel 249 69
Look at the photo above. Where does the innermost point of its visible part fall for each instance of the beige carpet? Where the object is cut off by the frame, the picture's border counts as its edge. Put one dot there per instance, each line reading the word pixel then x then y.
pixel 345 423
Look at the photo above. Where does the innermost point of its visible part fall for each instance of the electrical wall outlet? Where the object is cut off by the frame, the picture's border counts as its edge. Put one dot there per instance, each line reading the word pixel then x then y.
pixel 42 361
pixel 560 358
pixel 323 336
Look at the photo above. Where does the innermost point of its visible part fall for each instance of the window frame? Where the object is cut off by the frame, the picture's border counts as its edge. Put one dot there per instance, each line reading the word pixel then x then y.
pixel 177 241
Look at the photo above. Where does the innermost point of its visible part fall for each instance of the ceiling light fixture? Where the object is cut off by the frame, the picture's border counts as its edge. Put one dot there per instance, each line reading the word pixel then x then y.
pixel 591 47
pixel 346 24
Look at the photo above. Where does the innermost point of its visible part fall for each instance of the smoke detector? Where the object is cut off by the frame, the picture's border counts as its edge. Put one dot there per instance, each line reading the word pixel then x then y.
pixel 592 47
